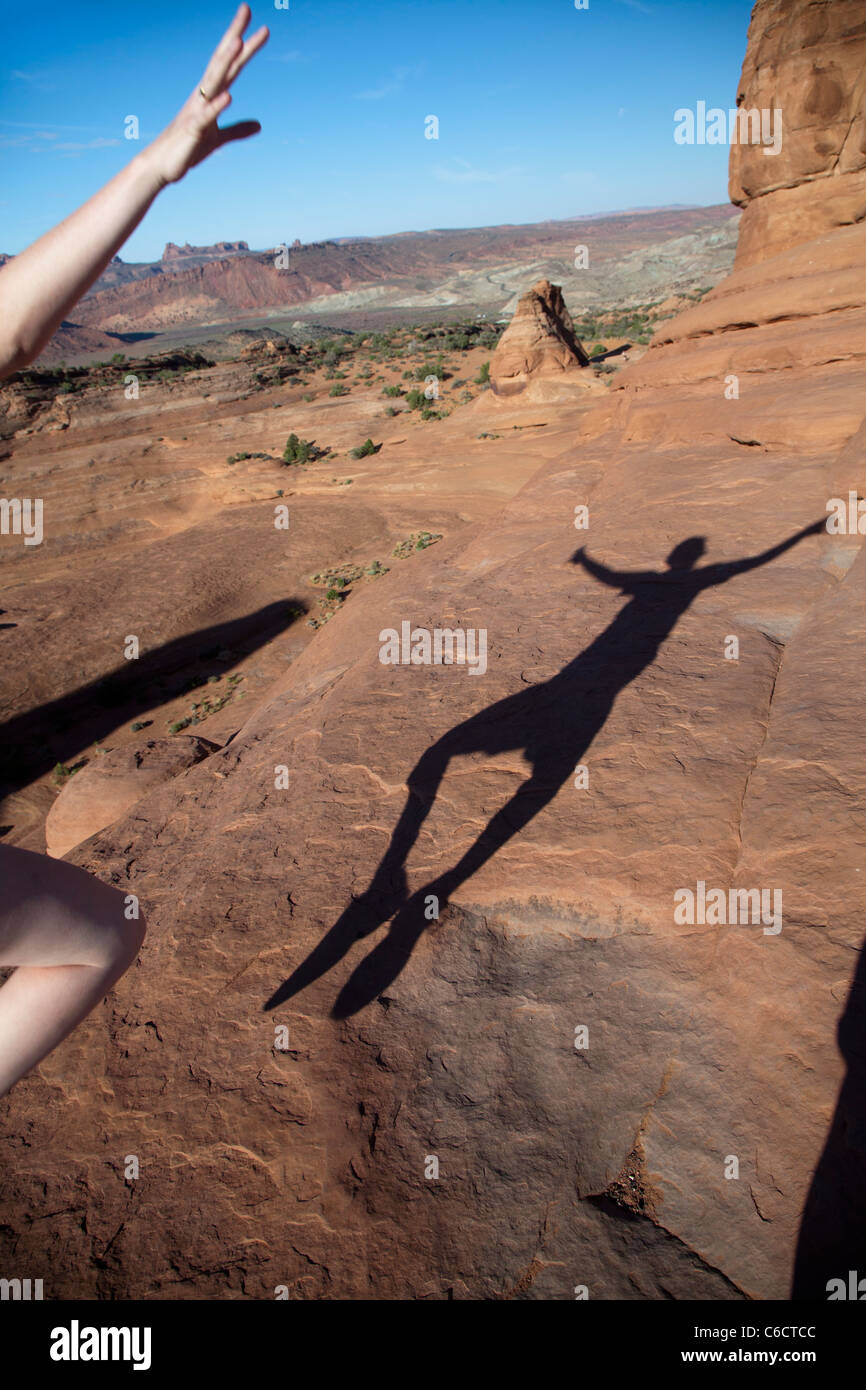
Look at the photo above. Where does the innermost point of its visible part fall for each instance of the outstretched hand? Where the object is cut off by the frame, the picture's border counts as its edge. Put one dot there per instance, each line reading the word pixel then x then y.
pixel 194 133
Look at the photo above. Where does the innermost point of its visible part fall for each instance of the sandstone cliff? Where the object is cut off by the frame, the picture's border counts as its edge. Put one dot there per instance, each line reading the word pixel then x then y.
pixel 807 61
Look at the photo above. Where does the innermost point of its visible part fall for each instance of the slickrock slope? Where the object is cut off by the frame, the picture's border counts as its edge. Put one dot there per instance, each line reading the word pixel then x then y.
pixel 105 790
pixel 159 521
pixel 704 1137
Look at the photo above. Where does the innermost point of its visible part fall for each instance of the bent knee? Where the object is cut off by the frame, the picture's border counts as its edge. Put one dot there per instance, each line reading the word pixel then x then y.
pixel 120 927
pixel 123 940
pixel 55 913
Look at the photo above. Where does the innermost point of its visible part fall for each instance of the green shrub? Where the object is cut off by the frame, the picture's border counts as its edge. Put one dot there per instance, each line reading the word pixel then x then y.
pixel 244 454
pixel 362 450
pixel 62 771
pixel 417 541
pixel 301 450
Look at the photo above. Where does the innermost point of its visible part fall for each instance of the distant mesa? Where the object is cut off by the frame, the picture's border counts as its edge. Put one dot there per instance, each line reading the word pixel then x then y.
pixel 539 341
pixel 174 252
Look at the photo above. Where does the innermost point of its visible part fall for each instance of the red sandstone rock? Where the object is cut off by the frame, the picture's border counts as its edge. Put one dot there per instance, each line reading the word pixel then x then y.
pixel 539 341
pixel 808 61
pixel 106 788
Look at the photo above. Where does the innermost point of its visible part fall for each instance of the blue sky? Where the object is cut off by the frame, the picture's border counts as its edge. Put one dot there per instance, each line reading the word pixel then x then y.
pixel 545 111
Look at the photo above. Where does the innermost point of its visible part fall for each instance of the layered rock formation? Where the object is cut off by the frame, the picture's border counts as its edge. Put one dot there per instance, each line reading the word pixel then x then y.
pixel 556 1081
pixel 539 341
pixel 186 252
pixel 806 61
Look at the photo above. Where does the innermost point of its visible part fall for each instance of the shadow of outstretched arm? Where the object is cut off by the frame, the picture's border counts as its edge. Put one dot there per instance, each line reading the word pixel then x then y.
pixel 34 741
pixel 720 574
pixel 614 579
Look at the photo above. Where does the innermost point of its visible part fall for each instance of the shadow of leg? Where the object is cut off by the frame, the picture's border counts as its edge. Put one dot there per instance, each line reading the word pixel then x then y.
pixel 383 964
pixel 362 916
pixel 387 891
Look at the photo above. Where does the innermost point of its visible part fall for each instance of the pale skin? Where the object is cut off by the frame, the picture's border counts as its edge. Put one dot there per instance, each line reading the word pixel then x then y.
pixel 68 936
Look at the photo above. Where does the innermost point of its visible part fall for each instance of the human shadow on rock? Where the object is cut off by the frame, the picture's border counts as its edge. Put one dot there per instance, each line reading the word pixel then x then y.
pixel 832 1239
pixel 553 723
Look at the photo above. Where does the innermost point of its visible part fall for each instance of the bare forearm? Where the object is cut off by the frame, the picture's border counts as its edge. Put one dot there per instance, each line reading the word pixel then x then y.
pixel 39 287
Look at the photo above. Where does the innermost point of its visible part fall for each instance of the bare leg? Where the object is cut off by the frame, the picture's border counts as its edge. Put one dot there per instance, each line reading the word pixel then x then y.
pixel 70 940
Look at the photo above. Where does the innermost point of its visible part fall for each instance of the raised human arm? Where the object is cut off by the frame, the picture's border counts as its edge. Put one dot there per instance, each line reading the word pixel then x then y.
pixel 39 287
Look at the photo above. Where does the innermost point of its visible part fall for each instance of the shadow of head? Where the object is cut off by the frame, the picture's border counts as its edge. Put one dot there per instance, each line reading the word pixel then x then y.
pixel 686 555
